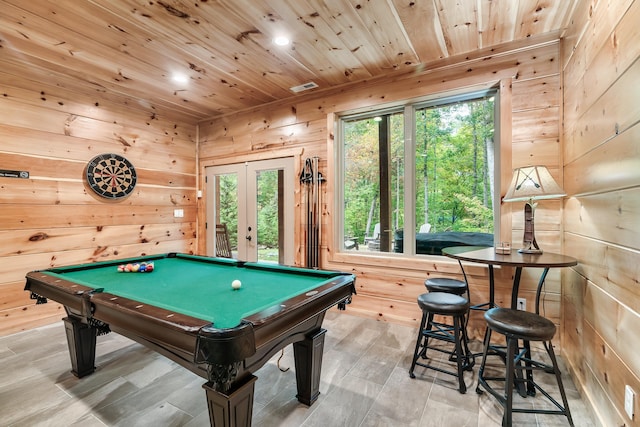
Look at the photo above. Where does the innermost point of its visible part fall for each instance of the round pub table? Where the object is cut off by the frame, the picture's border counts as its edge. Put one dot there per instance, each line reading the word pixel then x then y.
pixel 487 255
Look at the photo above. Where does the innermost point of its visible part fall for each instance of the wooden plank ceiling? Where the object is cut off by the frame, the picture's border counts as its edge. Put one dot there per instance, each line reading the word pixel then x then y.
pixel 129 50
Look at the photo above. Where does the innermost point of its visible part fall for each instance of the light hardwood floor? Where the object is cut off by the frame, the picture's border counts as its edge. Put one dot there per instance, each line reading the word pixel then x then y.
pixel 365 382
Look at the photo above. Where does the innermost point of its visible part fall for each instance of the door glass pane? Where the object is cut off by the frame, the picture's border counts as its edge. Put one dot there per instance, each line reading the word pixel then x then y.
pixel 227 207
pixel 373 182
pixel 269 210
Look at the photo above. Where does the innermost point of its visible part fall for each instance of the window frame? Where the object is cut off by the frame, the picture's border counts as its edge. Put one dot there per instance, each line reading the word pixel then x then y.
pixel 409 108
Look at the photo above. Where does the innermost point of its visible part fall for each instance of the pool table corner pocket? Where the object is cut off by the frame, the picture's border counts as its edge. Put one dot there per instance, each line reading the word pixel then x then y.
pixel 222 350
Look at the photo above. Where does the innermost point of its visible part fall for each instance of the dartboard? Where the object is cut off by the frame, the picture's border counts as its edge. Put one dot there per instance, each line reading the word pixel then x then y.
pixel 111 176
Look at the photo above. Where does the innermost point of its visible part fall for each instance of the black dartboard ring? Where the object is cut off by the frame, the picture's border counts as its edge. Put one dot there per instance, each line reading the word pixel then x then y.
pixel 111 176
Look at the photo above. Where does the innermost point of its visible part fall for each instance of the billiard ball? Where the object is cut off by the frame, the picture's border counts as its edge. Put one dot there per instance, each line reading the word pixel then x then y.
pixel 236 284
pixel 149 267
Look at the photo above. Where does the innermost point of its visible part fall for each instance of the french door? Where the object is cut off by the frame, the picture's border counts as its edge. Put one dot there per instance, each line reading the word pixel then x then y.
pixel 255 202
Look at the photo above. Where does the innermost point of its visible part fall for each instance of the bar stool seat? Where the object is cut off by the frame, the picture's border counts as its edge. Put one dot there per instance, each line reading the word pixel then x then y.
pixel 443 304
pixel 518 325
pixel 445 284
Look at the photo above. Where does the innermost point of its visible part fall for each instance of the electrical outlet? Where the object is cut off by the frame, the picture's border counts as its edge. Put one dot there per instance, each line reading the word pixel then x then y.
pixel 629 397
pixel 522 304
pixel 178 213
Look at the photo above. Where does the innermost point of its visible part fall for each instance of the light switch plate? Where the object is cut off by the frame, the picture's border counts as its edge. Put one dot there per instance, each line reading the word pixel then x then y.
pixel 629 397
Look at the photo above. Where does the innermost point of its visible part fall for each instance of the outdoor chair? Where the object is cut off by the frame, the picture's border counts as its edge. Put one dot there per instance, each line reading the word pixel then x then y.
pixel 223 246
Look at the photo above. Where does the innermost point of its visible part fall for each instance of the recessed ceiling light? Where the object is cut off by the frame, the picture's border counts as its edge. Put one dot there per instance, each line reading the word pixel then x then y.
pixel 179 78
pixel 281 40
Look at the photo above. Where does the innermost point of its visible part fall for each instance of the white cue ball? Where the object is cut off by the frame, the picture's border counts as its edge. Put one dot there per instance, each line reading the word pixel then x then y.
pixel 236 284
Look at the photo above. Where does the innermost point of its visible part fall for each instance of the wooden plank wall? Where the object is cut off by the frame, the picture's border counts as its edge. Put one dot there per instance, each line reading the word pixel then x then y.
pixel 51 219
pixel 388 286
pixel 601 297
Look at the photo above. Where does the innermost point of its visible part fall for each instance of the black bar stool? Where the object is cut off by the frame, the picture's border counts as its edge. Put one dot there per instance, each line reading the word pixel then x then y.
pixel 445 284
pixel 443 304
pixel 518 325
pixel 450 286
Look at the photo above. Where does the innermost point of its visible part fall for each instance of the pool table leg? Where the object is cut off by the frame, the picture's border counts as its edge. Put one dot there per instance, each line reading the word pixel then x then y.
pixel 81 339
pixel 234 409
pixel 308 360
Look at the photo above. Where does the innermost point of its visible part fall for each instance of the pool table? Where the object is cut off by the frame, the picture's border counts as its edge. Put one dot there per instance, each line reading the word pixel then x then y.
pixel 187 310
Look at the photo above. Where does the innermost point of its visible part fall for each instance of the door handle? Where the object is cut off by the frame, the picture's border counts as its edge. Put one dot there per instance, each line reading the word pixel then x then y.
pixel 248 235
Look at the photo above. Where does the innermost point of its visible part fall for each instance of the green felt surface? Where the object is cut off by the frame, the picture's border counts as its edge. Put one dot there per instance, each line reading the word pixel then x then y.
pixel 199 289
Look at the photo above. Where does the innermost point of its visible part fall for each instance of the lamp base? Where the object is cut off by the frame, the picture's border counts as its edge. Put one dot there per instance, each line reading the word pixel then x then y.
pixel 530 251
pixel 529 240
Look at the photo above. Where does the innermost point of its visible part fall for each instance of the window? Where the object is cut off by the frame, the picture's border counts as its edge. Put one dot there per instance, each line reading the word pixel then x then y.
pixel 433 160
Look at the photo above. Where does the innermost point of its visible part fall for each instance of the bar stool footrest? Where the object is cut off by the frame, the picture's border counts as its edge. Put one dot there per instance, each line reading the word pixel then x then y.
pixel 444 332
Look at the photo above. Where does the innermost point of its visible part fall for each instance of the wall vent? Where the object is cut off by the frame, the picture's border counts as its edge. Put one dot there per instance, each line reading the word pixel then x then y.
pixel 303 87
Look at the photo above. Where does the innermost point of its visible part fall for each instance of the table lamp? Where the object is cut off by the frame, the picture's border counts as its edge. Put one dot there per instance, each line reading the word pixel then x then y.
pixel 531 183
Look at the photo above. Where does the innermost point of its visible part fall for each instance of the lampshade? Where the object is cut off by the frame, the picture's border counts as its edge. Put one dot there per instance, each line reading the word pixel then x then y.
pixel 532 182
